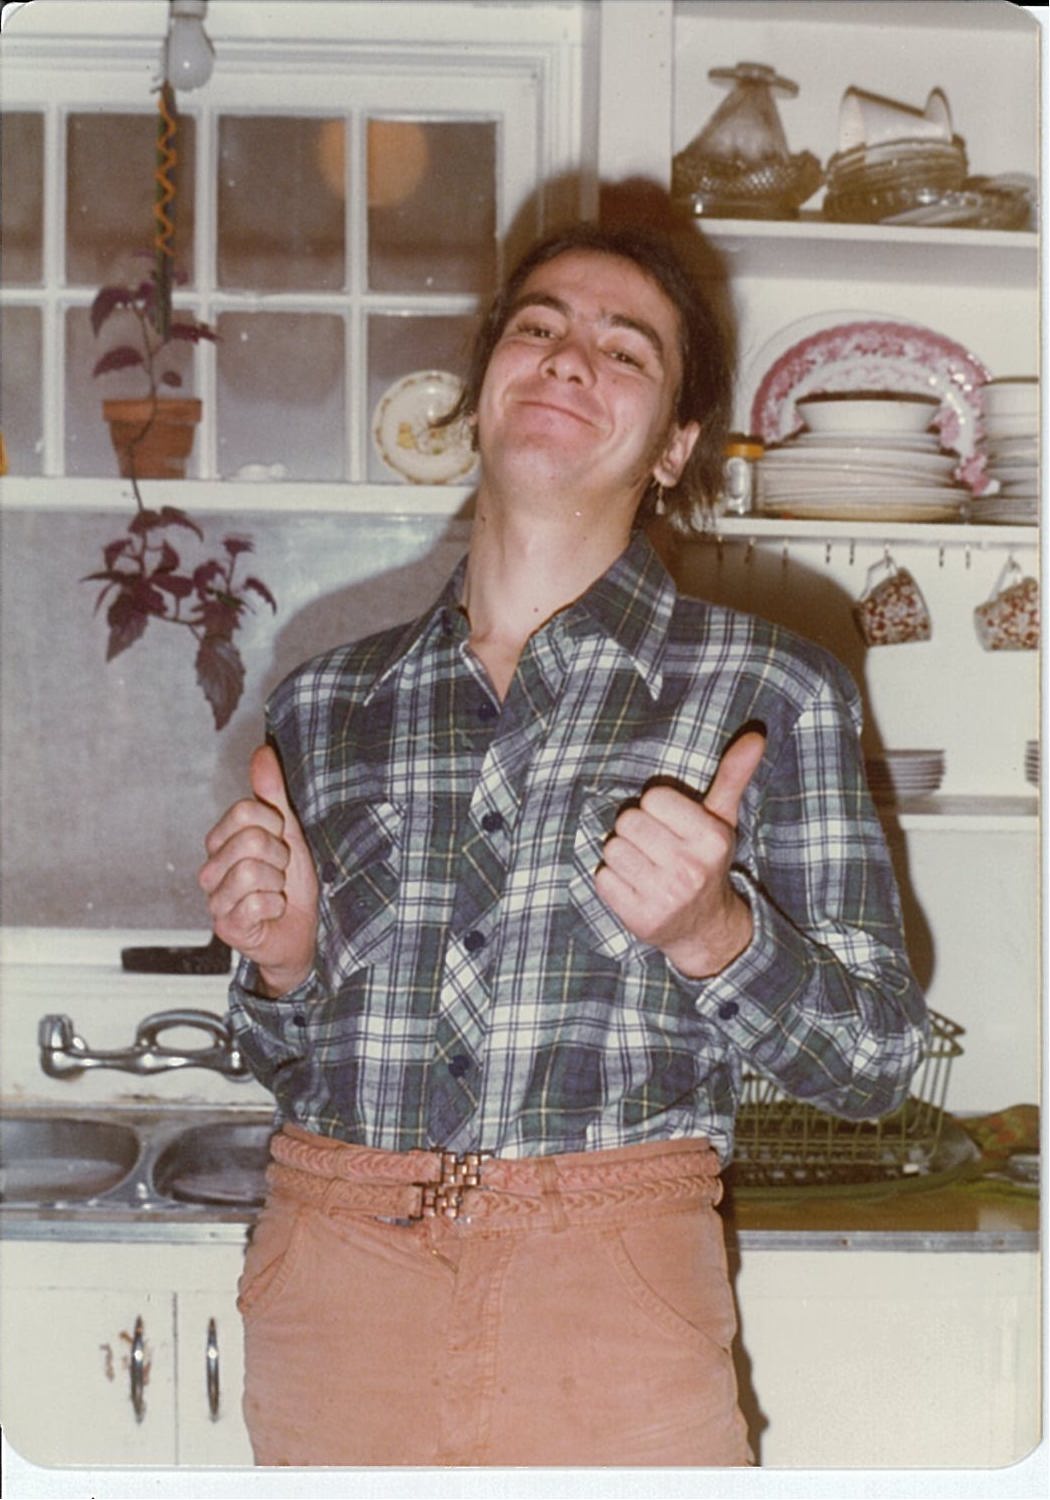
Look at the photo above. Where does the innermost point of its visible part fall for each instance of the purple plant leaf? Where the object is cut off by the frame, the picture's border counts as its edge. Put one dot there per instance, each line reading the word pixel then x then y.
pixel 171 377
pixel 168 560
pixel 115 549
pixel 202 577
pixel 261 589
pixel 219 616
pixel 192 333
pixel 120 358
pixel 126 623
pixel 148 599
pixel 144 521
pixel 170 515
pixel 176 584
pixel 111 575
pixel 220 673
pixel 237 544
pixel 106 302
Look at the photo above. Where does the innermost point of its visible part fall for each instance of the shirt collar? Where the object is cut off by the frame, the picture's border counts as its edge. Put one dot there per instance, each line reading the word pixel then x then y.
pixel 632 603
pixel 444 621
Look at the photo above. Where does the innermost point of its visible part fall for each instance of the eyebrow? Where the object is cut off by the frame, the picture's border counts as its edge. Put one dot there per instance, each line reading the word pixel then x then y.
pixel 617 320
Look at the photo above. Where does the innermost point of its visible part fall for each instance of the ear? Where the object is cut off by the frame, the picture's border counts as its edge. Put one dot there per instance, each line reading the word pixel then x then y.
pixel 680 444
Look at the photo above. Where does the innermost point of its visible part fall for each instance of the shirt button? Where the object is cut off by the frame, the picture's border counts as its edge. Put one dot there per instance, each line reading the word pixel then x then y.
pixel 329 871
pixel 459 1065
pixel 728 1010
pixel 299 1018
pixel 447 626
pixel 492 822
pixel 487 711
pixel 474 941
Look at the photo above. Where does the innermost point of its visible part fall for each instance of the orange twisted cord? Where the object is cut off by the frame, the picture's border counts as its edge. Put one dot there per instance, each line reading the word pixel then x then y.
pixel 164 177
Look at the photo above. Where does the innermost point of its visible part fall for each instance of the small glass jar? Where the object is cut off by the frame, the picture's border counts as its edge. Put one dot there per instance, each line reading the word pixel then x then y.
pixel 740 489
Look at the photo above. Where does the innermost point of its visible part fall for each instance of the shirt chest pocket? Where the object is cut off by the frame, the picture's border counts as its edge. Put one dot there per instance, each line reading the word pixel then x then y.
pixel 358 850
pixel 594 923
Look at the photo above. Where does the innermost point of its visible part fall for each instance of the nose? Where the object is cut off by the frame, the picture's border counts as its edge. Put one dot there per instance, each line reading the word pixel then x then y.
pixel 569 360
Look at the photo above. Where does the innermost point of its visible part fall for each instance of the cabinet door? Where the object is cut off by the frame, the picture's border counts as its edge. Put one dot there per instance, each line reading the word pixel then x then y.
pixel 88 1376
pixel 210 1378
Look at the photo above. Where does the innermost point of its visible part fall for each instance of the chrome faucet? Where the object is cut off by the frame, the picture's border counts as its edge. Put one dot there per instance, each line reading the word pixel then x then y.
pixel 65 1054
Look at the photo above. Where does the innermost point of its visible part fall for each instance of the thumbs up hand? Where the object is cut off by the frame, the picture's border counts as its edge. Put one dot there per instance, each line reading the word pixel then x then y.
pixel 260 880
pixel 665 870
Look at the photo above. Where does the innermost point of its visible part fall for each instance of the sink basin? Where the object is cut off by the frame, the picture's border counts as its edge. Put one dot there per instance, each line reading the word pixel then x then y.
pixel 222 1163
pixel 56 1159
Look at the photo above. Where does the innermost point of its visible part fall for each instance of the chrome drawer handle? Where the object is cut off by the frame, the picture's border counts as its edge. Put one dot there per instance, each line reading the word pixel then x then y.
pixel 211 1369
pixel 137 1366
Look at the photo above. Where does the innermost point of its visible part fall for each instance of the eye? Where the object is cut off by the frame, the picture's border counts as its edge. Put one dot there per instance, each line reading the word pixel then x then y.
pixel 532 327
pixel 626 357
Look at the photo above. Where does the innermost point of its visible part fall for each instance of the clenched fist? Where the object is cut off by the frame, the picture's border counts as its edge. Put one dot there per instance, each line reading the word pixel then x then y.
pixel 260 880
pixel 665 867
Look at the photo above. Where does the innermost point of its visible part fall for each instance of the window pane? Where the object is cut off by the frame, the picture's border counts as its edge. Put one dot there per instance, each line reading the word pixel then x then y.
pixel 281 395
pixel 431 205
pixel 22 197
pixel 110 189
pixel 399 346
pixel 88 446
pixel 282 203
pixel 21 415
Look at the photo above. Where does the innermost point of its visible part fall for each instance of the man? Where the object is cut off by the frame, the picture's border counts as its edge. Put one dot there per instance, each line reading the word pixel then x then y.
pixel 536 877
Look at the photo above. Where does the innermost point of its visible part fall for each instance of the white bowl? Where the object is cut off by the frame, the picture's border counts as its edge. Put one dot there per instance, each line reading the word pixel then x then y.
pixel 1012 396
pixel 869 414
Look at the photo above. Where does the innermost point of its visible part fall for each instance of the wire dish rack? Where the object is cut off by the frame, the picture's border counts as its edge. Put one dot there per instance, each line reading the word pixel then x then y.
pixel 781 1143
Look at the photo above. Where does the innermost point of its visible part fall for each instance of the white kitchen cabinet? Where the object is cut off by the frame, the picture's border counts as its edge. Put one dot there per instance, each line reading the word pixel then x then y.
pixel 889 1359
pixel 79 1319
pixel 69 1353
pixel 210 1375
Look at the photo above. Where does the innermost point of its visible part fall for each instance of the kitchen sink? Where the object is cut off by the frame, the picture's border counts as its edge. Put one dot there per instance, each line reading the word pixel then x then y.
pixel 136 1164
pixel 221 1163
pixel 57 1159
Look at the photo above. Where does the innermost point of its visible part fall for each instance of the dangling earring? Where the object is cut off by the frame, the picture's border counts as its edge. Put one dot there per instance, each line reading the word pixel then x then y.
pixel 659 505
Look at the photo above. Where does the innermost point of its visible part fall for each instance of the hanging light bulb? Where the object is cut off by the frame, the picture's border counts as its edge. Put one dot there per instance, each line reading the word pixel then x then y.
pixel 188 53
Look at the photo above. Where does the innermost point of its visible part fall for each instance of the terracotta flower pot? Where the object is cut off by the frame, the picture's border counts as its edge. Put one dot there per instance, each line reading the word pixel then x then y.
pixel 153 440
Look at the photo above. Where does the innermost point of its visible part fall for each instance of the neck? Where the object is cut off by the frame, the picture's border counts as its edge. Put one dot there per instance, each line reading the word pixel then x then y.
pixel 521 570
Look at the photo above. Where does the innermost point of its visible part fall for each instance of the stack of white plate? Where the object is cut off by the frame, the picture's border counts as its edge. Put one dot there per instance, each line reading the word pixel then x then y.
pixel 862 457
pixel 1031 762
pixel 897 775
pixel 1011 428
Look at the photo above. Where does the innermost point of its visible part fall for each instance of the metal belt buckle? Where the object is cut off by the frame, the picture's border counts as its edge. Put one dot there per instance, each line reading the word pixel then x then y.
pixel 442 1199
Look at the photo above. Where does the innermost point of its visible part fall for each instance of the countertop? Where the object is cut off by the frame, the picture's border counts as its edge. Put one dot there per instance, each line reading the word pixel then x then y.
pixel 984 1216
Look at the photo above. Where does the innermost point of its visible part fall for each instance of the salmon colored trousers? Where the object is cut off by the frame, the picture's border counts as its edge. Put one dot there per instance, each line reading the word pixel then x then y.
pixel 576 1312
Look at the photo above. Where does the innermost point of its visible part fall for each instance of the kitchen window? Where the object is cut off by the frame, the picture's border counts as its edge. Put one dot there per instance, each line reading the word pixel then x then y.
pixel 340 223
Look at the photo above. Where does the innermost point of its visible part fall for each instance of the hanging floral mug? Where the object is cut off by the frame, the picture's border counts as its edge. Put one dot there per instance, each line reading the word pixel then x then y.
pixel 892 611
pixel 1009 619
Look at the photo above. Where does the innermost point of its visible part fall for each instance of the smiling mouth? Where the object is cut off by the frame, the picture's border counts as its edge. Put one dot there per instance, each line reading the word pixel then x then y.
pixel 554 406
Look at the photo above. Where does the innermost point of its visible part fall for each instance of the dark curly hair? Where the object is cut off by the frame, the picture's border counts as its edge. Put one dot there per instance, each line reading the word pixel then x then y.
pixel 705 393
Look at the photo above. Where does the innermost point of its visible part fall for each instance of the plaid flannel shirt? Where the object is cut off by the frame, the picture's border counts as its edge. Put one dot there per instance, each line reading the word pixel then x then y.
pixel 471 989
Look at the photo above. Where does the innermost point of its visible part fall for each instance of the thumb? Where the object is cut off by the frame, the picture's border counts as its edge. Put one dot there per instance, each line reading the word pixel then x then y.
pixel 267 781
pixel 735 770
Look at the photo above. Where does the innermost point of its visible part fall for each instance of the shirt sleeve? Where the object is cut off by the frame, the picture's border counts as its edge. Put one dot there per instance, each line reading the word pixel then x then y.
pixel 271 1032
pixel 823 1001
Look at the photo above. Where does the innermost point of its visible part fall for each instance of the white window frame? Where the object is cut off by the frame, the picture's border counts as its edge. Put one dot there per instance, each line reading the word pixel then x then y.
pixel 519 66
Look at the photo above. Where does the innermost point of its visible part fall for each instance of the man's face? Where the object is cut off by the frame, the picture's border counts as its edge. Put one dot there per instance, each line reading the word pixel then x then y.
pixel 580 391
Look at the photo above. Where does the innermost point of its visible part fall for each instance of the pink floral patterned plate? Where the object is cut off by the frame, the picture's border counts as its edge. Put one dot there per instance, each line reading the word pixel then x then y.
pixel 866 352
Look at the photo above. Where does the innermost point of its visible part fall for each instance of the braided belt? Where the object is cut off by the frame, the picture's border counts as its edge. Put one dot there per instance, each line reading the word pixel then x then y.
pixel 413 1186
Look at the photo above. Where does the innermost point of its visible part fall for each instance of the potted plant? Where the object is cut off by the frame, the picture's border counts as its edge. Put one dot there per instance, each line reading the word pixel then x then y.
pixel 152 433
pixel 143 577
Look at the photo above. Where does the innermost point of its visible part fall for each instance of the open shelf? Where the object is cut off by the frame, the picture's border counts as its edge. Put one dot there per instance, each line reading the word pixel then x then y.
pixel 811 246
